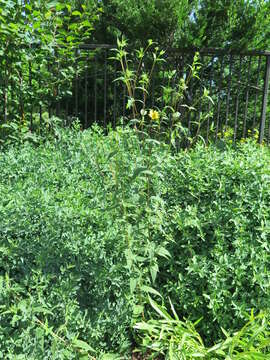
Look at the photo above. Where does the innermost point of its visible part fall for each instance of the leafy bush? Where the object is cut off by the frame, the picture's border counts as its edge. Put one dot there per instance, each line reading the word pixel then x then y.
pixel 37 59
pixel 71 214
pixel 218 207
pixel 91 224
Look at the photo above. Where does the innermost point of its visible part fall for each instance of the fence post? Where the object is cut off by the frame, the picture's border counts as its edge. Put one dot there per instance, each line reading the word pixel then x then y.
pixel 264 100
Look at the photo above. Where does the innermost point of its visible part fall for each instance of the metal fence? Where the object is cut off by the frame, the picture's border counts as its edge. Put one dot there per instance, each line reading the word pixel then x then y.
pixel 237 82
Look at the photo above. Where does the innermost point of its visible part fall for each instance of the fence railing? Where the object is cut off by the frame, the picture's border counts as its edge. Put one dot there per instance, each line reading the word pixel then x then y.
pixel 238 83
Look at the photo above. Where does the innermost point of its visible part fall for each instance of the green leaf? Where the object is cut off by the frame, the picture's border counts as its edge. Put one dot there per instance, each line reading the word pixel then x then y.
pixel 161 251
pixel 140 170
pixel 153 272
pixel 137 310
pixel 112 154
pixel 37 25
pixel 130 103
pixel 76 13
pixel 150 290
pixel 163 313
pixel 132 284
pixel 111 356
pixel 52 4
pixel 144 326
pixel 82 345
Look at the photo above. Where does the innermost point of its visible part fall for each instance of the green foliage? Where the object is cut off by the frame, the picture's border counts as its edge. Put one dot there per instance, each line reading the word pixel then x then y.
pixel 81 231
pixel 218 209
pixel 90 225
pixel 37 54
pixel 234 24
pixel 46 23
pixel 140 20
pixel 202 23
pixel 19 133
pixel 176 339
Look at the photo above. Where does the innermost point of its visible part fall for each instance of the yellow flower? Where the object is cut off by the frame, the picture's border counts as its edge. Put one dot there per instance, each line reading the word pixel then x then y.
pixel 154 115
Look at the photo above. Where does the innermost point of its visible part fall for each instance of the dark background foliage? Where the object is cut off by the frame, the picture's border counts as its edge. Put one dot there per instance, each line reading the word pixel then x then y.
pixel 202 23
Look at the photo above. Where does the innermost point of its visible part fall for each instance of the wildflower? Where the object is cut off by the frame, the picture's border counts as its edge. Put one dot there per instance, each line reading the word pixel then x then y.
pixel 154 115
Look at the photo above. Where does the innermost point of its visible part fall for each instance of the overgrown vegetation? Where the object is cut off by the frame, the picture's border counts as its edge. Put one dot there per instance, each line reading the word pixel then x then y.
pixel 91 225
pixel 118 243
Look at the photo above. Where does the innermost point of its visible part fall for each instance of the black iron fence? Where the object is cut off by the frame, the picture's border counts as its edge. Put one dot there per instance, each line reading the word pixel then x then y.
pixel 237 83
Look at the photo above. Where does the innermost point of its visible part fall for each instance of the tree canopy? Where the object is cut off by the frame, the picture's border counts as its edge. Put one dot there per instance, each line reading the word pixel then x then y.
pixel 203 23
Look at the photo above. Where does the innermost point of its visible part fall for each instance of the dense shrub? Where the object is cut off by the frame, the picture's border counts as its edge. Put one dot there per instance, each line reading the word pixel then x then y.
pixel 86 223
pixel 218 206
pixel 66 240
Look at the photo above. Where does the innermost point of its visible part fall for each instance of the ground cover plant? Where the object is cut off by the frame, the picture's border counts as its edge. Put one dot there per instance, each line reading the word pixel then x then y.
pixel 91 225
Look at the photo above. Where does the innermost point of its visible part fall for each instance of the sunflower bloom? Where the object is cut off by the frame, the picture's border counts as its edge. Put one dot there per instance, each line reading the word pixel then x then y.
pixel 154 115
